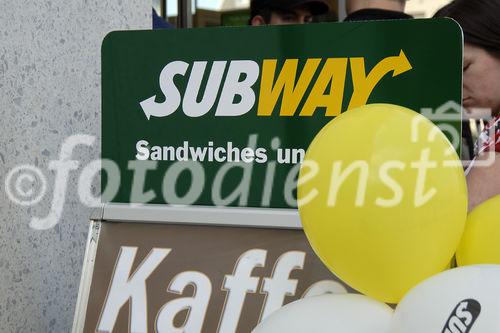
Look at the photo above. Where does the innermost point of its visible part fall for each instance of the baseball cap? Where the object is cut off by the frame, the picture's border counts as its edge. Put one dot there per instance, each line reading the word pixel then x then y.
pixel 318 7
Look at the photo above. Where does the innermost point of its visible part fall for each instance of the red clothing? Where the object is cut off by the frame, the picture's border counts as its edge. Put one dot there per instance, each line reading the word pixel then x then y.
pixel 489 140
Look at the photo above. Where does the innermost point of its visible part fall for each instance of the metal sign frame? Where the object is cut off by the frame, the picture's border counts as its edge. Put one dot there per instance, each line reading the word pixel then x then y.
pixel 163 214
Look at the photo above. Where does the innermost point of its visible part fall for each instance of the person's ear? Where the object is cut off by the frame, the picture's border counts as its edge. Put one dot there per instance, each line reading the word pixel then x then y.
pixel 258 20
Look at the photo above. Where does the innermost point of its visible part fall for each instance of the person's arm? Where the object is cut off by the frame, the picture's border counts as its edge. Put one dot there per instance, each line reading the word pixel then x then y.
pixel 483 181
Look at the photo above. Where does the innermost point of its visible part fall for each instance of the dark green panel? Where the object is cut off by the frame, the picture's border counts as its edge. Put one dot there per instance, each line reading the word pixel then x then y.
pixel 133 60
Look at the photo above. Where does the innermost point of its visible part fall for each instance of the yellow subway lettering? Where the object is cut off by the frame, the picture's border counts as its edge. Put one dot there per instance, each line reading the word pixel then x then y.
pixel 285 85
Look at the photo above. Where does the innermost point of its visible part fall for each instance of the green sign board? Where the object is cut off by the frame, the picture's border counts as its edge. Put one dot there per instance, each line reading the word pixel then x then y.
pixel 223 116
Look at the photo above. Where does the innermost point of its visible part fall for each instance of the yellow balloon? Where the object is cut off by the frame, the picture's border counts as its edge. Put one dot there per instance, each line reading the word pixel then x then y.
pixel 481 241
pixel 383 199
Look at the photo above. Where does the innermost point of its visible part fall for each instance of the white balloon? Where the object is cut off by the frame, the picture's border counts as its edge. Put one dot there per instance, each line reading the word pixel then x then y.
pixel 325 287
pixel 461 300
pixel 347 313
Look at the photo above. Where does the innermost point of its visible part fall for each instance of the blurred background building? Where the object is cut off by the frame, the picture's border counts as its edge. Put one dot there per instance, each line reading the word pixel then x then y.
pixel 424 8
pixel 210 13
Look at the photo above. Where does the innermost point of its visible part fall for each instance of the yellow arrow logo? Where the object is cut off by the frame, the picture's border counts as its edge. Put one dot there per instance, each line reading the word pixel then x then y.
pixel 364 84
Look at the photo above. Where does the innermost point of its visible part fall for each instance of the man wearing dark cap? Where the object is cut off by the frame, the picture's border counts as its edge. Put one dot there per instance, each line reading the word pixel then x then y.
pixel 276 12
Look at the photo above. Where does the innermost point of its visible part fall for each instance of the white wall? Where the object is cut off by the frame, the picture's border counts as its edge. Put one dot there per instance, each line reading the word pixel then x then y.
pixel 49 89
